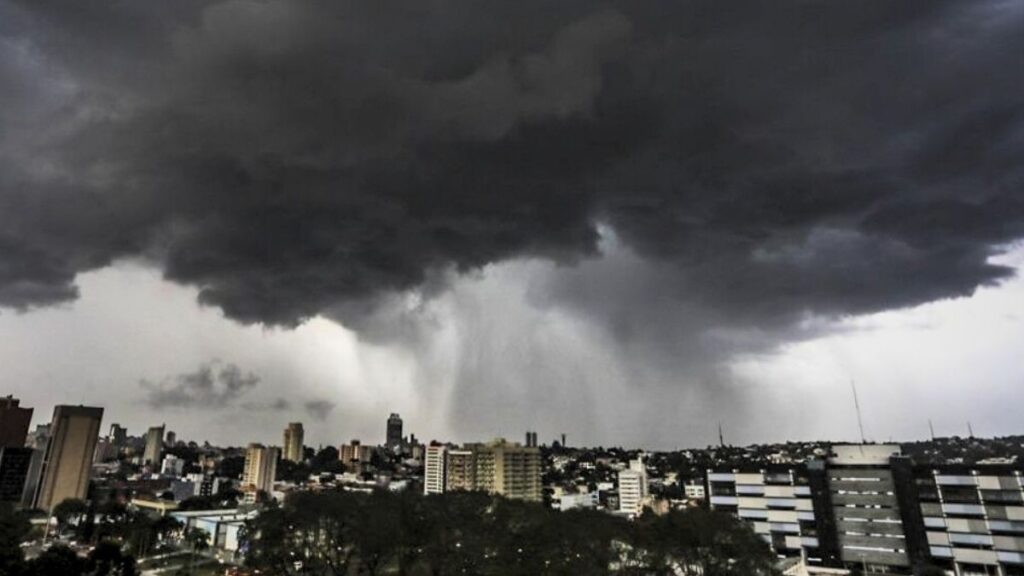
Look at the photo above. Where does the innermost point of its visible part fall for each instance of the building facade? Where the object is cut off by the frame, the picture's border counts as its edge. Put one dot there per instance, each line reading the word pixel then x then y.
pixel 460 470
pixel 869 509
pixel 15 464
pixel 974 518
pixel 778 504
pixel 435 469
pixel 154 447
pixel 67 462
pixel 354 452
pixel 633 488
pixel 507 468
pixel 14 423
pixel 294 436
pixel 260 469
pixel 393 436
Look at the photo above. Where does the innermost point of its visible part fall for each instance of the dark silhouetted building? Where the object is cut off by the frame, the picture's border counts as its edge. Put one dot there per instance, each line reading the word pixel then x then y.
pixel 394 432
pixel 14 423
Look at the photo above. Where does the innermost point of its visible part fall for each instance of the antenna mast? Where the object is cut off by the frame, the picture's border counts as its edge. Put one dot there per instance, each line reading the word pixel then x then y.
pixel 721 439
pixel 931 429
pixel 970 430
pixel 856 405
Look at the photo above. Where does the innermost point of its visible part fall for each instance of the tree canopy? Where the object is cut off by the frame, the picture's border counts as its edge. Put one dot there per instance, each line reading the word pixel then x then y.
pixel 340 533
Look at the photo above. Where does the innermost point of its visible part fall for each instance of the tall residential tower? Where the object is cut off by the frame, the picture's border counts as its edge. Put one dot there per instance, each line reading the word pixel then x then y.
pixel 68 459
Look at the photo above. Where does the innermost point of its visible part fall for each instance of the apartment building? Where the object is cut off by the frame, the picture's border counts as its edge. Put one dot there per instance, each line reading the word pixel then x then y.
pixel 779 504
pixel 974 518
pixel 870 509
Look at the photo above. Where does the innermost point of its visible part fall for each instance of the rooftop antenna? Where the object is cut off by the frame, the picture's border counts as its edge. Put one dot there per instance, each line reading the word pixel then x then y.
pixel 721 438
pixel 931 429
pixel 970 431
pixel 856 405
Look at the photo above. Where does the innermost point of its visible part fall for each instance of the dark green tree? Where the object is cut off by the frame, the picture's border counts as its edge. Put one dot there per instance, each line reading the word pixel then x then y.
pixel 107 559
pixel 69 512
pixel 14 528
pixel 56 561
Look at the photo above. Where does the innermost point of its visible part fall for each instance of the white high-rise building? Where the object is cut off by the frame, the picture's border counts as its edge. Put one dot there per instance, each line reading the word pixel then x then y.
pixel 172 466
pixel 633 487
pixel 434 473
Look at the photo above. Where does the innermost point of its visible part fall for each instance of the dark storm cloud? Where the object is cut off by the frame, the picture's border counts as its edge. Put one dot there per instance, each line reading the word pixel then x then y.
pixel 770 159
pixel 213 385
pixel 319 409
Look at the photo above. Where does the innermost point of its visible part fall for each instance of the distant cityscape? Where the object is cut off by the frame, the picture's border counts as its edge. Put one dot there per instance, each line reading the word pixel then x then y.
pixel 955 503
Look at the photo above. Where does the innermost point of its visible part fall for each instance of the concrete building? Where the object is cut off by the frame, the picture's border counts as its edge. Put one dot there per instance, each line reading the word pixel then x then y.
pixel 394 432
pixel 260 469
pixel 118 435
pixel 172 466
pixel 15 465
pixel 39 438
pixel 67 462
pixel 204 485
pixel 633 487
pixel 865 507
pixel 154 447
pixel 777 502
pixel 293 442
pixel 460 470
pixel 225 528
pixel 531 439
pixel 509 469
pixel 973 518
pixel 14 423
pixel 694 491
pixel 354 452
pixel 435 469
pixel 581 501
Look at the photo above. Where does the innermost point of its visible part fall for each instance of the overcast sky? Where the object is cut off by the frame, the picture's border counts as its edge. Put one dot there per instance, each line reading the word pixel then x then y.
pixel 625 221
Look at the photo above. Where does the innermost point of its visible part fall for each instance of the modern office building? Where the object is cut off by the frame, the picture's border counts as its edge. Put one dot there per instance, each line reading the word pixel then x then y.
pixel 260 469
pixel 867 511
pixel 67 462
pixel 14 423
pixel 435 469
pixel 508 468
pixel 154 447
pixel 973 518
pixel 394 432
pixel 293 442
pixel 778 503
pixel 633 488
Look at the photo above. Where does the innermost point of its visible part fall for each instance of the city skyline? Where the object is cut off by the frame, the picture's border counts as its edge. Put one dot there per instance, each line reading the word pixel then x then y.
pixel 626 222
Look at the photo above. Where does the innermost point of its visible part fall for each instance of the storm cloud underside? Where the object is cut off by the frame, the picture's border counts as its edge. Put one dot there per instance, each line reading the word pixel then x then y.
pixel 707 178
